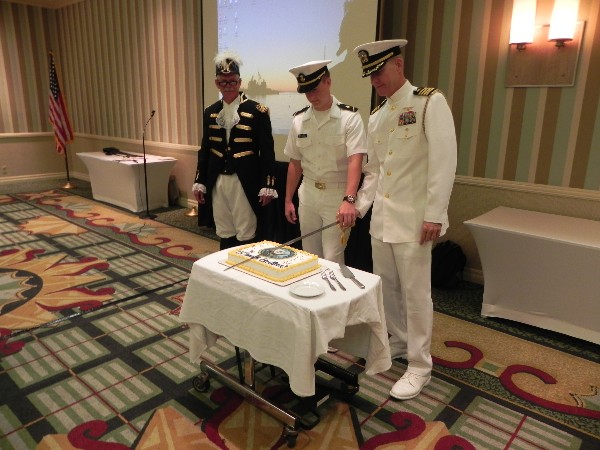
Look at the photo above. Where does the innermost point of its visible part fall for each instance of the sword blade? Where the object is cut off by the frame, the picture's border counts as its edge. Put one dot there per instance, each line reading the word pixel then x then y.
pixel 290 242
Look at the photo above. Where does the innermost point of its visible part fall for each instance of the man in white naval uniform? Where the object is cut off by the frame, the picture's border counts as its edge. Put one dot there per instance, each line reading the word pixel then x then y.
pixel 325 145
pixel 408 180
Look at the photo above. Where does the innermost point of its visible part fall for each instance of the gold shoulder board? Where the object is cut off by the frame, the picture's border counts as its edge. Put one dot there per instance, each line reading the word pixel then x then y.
pixel 262 108
pixel 347 107
pixel 425 91
pixel 300 111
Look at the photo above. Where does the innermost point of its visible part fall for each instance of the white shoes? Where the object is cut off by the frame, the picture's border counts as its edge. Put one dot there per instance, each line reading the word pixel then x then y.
pixel 409 386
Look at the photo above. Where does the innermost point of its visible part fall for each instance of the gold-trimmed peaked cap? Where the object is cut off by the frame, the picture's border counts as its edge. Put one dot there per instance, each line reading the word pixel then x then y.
pixel 309 75
pixel 373 55
pixel 227 62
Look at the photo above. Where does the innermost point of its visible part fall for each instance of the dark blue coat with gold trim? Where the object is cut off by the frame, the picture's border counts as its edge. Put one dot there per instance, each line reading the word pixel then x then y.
pixel 250 153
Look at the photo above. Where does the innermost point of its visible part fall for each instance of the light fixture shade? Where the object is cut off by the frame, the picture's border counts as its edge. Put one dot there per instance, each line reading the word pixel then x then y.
pixel 522 25
pixel 564 20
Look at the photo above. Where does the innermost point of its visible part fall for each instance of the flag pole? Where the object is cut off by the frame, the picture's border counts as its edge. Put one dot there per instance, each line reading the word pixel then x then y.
pixel 57 113
pixel 68 184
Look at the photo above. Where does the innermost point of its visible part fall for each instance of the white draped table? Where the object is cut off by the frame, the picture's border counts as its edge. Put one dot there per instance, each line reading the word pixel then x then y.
pixel 119 179
pixel 540 269
pixel 281 329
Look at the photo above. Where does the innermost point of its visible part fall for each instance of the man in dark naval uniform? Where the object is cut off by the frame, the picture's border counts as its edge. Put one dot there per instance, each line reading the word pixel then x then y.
pixel 236 160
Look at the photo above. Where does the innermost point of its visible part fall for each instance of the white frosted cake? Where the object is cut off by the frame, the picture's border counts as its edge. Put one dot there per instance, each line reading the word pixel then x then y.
pixel 273 262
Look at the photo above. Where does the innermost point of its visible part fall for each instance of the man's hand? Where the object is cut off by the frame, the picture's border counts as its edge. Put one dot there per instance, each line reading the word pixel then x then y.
pixel 200 197
pixel 264 200
pixel 290 212
pixel 199 190
pixel 266 196
pixel 430 231
pixel 346 215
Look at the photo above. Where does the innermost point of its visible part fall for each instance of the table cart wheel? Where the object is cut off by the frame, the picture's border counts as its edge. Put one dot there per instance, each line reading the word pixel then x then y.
pixel 201 382
pixel 290 435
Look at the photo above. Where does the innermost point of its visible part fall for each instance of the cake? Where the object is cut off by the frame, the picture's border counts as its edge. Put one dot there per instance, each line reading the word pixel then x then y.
pixel 271 261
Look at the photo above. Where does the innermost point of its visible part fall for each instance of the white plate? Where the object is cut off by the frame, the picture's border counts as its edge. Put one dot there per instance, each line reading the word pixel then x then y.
pixel 307 289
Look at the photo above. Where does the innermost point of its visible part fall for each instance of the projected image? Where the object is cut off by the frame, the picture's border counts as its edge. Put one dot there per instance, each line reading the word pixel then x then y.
pixel 271 36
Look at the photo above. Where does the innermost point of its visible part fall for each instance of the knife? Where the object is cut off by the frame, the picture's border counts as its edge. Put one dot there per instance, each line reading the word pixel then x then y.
pixel 348 274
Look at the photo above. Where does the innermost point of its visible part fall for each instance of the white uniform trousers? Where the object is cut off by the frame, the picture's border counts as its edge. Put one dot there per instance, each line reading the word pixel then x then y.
pixel 405 271
pixel 232 212
pixel 317 208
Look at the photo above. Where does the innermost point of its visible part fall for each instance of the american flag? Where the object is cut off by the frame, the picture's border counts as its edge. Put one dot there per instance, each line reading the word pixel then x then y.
pixel 63 132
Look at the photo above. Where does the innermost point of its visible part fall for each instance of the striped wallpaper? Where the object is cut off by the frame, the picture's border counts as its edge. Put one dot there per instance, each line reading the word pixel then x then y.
pixel 121 59
pixel 127 58
pixel 23 69
pixel 542 135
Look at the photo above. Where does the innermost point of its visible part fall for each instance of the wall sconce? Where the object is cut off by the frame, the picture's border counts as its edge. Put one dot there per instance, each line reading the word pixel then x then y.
pixel 522 25
pixel 563 21
pixel 542 64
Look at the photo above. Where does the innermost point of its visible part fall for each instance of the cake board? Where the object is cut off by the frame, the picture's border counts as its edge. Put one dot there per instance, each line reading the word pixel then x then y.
pixel 277 283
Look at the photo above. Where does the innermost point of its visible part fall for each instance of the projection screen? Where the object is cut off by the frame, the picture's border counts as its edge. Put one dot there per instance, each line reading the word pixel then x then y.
pixel 271 36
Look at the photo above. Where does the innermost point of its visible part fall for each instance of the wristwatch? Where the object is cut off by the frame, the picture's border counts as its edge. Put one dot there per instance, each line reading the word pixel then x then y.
pixel 350 199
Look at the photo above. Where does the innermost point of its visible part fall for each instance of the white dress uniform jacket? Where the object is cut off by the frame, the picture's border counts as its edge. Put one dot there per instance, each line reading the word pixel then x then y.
pixel 324 149
pixel 323 142
pixel 411 165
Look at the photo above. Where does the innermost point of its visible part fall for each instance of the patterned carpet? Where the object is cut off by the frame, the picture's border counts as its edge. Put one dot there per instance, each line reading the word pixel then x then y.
pixel 93 355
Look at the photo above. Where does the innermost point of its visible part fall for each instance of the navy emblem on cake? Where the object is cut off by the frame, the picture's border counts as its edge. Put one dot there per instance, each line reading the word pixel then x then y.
pixel 277 253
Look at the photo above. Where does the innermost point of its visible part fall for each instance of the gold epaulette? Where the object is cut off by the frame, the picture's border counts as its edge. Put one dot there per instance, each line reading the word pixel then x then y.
pixel 347 107
pixel 378 106
pixel 300 111
pixel 425 91
pixel 262 108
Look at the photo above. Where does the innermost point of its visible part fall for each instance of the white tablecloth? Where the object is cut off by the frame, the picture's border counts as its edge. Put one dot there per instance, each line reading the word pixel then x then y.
pixel 540 269
pixel 119 179
pixel 278 328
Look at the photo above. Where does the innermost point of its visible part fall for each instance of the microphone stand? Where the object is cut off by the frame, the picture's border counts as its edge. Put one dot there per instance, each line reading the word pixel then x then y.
pixel 146 215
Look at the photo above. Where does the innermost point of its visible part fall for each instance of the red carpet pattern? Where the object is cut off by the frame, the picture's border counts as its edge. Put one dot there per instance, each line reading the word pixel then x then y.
pixel 94 357
pixel 38 280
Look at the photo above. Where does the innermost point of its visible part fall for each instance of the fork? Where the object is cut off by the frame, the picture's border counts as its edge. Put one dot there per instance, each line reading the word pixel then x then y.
pixel 334 278
pixel 324 276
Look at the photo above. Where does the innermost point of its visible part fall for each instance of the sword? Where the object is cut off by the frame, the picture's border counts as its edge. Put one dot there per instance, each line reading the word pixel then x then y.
pixel 290 242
